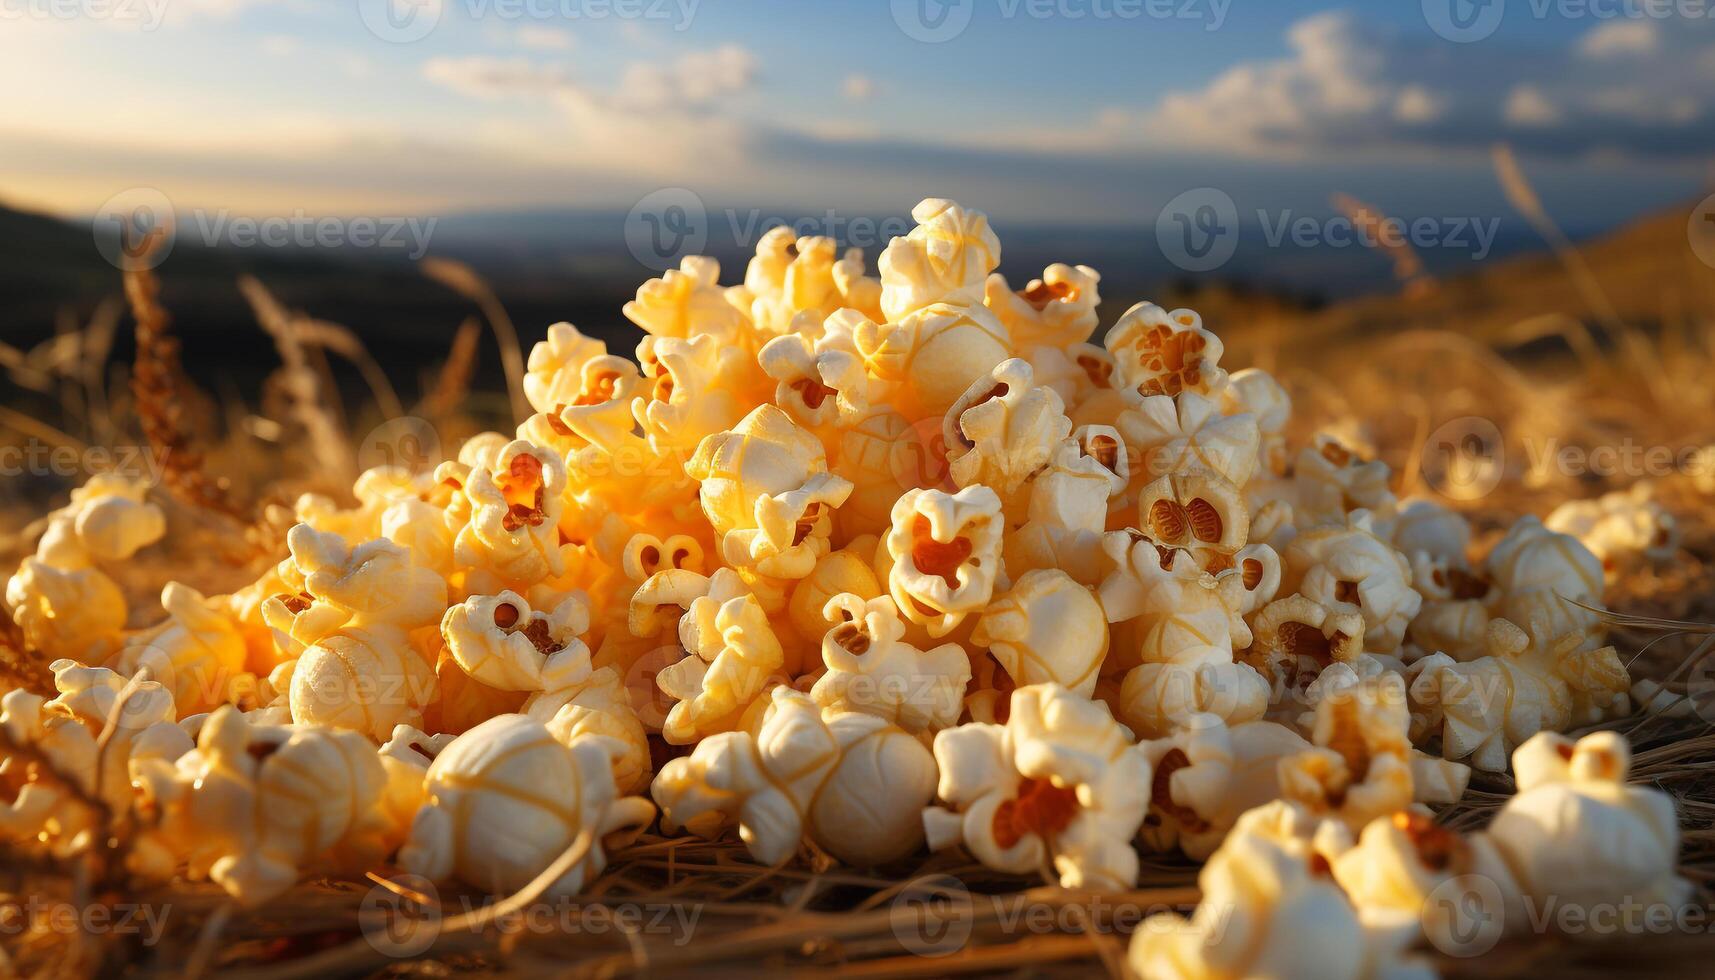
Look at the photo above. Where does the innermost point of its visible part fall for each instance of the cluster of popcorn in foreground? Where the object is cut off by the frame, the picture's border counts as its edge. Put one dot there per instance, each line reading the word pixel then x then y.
pixel 855 567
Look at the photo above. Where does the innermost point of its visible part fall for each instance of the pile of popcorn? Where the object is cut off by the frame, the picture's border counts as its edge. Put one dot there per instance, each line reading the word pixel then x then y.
pixel 855 568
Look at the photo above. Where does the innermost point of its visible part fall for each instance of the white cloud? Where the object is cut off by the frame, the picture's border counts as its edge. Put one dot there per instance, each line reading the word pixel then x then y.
pixel 1417 104
pixel 858 88
pixel 483 77
pixel 540 37
pixel 1621 38
pixel 1527 106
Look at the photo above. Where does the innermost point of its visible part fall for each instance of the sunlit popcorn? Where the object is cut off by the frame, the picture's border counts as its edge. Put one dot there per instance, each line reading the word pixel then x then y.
pixel 945 259
pixel 198 655
pixel 1254 392
pixel 515 512
pixel 368 679
pixel 924 362
pixel 1055 311
pixel 1209 773
pixel 849 782
pixel 1060 784
pixel 254 806
pixel 694 387
pixel 1486 707
pixel 817 388
pixel 1164 353
pixel 732 654
pixel 1270 908
pixel 1347 568
pixel 946 555
pixel 1001 430
pixel 1361 766
pixel 1173 434
pixel 66 612
pixel 872 669
pixel 1621 528
pixel 1578 833
pixel 1046 629
pixel 1296 637
pixel 505 799
pixel 1199 511
pixel 1422 526
pixel 687 302
pixel 849 570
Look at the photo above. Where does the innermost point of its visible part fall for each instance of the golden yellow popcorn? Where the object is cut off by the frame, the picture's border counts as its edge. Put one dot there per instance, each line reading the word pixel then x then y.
pixel 946 556
pixel 1298 637
pixel 687 302
pixel 199 655
pixel 849 782
pixel 75 613
pixel 1270 909
pixel 1055 311
pixel 1486 707
pixel 944 259
pixel 1578 833
pixel 1047 628
pixel 1407 872
pixel 924 362
pixel 556 374
pixel 732 656
pixel 1161 353
pixel 109 518
pixel 1002 431
pixel 858 292
pixel 502 642
pixel 1172 434
pixel 818 388
pixel 253 806
pixel 1068 507
pixel 367 679
pixel 1330 480
pixel 515 512
pixel 873 670
pixel 505 799
pixel 848 570
pixel 1199 511
pixel 1209 773
pixel 1622 528
pixel 585 704
pixel 882 455
pixel 1060 781
pixel 695 386
pixel 1347 568
pixel 1361 766
pixel 767 491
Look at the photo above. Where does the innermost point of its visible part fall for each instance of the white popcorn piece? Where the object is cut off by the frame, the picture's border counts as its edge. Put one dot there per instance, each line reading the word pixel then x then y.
pixel 199 654
pixel 366 679
pixel 733 655
pixel 946 555
pixel 556 370
pixel 505 799
pixel 1539 574
pixel 371 583
pixel 1298 638
pixel 1197 510
pixel 848 570
pixel 253 806
pixel 924 362
pixel 1270 908
pixel 1208 774
pixel 1424 527
pixel 767 491
pixel 1348 568
pixel 1331 480
pixel 1002 431
pixel 944 259
pixel 1059 782
pixel 1407 873
pixel 515 512
pixel 1622 529
pixel 1486 707
pixel 502 642
pixel 687 302
pixel 1174 433
pixel 817 388
pixel 1254 392
pixel 1055 311
pixel 581 703
pixel 873 670
pixel 847 781
pixel 882 455
pixel 1164 353
pixel 697 386
pixel 75 613
pixel 1361 766
pixel 1047 629
pixel 1578 833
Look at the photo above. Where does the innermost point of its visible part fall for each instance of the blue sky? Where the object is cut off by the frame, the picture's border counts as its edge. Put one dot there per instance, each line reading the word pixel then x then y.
pixel 1040 110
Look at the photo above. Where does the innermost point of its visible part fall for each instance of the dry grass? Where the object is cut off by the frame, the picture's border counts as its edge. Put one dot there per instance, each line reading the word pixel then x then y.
pixel 1593 385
